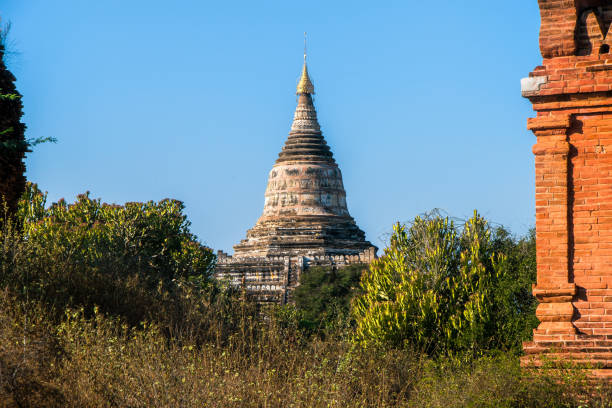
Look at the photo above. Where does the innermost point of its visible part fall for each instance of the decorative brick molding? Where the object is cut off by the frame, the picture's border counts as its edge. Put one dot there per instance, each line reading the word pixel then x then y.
pixel 572 94
pixel 568 26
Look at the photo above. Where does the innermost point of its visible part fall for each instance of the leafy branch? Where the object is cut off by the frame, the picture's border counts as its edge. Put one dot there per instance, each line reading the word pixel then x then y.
pixel 22 145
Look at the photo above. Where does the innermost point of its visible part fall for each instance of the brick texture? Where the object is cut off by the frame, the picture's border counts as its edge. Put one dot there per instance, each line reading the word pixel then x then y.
pixel 572 94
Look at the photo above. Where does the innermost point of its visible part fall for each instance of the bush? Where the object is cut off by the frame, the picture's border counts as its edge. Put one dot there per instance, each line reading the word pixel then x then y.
pixel 128 260
pixel 443 290
pixel 324 294
pixel 29 353
pixel 514 300
pixel 498 381
pixel 109 364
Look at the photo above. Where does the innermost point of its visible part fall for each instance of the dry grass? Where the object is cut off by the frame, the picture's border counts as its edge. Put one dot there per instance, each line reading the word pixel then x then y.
pixel 113 366
pixel 101 362
pixel 29 353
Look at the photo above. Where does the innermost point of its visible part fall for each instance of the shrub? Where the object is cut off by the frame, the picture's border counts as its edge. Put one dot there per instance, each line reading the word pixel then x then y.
pixel 324 294
pixel 514 301
pixel 498 381
pixel 29 353
pixel 442 290
pixel 128 260
pixel 111 365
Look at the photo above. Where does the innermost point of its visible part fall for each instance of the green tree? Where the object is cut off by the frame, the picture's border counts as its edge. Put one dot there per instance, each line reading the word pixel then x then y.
pixel 324 294
pixel 443 290
pixel 13 145
pixel 125 259
pixel 514 300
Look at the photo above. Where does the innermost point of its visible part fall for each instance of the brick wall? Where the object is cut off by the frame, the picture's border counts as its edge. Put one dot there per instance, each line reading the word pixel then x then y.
pixel 572 94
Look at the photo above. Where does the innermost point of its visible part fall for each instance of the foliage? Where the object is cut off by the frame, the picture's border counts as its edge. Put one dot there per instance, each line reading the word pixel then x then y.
pixel 13 145
pixel 128 260
pixel 29 351
pixel 442 290
pixel 498 381
pixel 98 361
pixel 324 294
pixel 513 299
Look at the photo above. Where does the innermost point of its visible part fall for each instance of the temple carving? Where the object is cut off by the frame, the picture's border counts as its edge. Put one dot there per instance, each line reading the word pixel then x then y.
pixel 572 94
pixel 305 220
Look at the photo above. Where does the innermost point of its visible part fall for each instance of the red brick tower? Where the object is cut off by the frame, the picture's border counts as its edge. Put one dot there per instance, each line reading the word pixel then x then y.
pixel 572 94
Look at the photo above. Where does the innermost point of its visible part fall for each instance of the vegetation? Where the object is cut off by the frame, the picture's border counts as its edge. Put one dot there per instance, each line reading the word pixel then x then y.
pixel 100 362
pixel 13 145
pixel 444 290
pixel 324 295
pixel 114 306
pixel 137 261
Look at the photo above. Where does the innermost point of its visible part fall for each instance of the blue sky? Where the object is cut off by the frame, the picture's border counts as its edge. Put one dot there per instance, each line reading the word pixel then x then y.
pixel 189 99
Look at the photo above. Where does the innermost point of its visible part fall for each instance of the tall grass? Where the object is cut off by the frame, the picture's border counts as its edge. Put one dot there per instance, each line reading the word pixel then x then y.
pixel 101 361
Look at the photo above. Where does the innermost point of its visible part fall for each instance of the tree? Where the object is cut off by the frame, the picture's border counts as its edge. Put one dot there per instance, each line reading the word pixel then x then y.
pixel 127 259
pixel 324 294
pixel 447 290
pixel 514 298
pixel 13 145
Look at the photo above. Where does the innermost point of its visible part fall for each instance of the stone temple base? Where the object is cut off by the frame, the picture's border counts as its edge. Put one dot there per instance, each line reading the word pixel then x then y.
pixel 272 279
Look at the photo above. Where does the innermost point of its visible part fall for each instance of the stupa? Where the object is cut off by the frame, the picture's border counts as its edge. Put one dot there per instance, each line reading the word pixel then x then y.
pixel 305 220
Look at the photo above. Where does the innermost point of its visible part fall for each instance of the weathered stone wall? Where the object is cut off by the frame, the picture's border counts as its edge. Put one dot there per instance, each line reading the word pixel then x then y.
pixel 572 94
pixel 272 279
pixel 305 189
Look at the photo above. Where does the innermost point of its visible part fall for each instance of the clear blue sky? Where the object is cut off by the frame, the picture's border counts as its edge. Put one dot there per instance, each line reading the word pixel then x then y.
pixel 420 102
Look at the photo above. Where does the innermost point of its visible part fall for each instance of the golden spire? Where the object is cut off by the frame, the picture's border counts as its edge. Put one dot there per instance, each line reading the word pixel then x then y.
pixel 305 86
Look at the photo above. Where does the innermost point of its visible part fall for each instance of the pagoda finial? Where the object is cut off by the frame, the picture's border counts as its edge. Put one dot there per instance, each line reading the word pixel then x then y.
pixel 304 47
pixel 305 86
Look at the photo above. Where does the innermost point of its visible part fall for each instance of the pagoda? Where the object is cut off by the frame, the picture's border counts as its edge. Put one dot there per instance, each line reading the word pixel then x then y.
pixel 305 220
